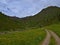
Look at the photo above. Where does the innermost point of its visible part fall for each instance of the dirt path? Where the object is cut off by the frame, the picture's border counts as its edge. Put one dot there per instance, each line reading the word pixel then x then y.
pixel 48 36
pixel 55 36
pixel 47 39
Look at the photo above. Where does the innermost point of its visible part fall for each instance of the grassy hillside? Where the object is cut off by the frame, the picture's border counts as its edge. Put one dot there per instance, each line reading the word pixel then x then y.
pixel 46 17
pixel 29 37
pixel 8 24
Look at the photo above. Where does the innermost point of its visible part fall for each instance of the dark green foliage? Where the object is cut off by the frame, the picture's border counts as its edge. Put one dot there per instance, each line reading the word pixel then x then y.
pixel 46 17
pixel 8 24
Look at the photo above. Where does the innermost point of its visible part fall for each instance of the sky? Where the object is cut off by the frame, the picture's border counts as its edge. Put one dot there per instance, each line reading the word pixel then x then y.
pixel 23 8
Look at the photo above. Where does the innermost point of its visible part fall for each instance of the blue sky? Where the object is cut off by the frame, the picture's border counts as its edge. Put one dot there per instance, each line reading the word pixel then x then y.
pixel 23 8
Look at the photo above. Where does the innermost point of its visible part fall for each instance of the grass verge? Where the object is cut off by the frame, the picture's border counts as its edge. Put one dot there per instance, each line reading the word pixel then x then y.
pixel 52 41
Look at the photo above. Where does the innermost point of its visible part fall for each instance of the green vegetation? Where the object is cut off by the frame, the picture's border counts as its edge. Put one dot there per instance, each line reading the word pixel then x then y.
pixel 29 37
pixel 46 17
pixel 8 24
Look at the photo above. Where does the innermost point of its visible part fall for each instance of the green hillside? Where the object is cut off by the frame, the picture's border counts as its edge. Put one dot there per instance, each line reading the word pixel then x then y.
pixel 8 24
pixel 46 17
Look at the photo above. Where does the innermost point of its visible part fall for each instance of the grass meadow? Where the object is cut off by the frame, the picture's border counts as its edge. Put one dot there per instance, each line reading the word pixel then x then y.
pixel 29 37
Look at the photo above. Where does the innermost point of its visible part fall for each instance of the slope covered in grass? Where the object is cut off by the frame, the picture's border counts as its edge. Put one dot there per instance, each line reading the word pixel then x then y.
pixel 29 37
pixel 8 24
pixel 46 17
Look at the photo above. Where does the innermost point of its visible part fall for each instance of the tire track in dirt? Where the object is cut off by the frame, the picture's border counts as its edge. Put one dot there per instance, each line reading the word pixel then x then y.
pixel 47 38
pixel 55 36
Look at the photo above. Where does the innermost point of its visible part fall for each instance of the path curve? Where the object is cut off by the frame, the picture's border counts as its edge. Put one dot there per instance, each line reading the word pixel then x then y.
pixel 47 38
pixel 56 37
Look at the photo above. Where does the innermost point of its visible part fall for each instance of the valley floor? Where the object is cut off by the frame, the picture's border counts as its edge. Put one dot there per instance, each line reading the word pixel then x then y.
pixel 40 36
pixel 29 37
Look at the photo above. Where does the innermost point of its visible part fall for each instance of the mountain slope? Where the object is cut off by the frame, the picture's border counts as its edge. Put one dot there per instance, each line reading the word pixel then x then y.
pixel 8 24
pixel 46 17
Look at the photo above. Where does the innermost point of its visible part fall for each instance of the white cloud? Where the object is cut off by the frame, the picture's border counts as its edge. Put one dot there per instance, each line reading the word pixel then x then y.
pixel 25 7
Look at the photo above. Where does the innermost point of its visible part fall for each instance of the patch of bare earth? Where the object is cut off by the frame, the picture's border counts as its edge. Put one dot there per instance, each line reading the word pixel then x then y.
pixel 47 38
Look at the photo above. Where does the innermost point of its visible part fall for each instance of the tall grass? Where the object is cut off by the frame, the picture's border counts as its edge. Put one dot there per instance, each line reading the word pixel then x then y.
pixel 29 37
